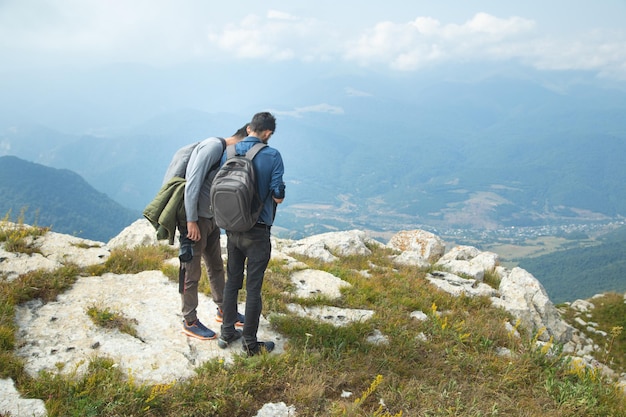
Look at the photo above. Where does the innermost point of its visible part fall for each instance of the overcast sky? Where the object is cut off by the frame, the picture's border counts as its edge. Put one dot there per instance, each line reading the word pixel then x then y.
pixel 391 35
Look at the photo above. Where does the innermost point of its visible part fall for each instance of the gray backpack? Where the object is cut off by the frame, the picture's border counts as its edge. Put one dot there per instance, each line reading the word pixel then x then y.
pixel 234 197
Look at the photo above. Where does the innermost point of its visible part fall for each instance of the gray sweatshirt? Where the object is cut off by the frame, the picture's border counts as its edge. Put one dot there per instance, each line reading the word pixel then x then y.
pixel 198 188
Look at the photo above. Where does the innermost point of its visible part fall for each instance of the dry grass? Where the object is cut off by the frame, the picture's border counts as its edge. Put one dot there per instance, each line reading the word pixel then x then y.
pixel 18 237
pixel 610 316
pixel 447 365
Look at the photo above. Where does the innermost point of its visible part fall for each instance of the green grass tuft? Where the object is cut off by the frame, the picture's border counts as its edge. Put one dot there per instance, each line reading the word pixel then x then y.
pixel 109 319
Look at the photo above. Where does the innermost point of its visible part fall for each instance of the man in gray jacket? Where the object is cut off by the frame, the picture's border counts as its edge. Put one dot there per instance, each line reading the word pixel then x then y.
pixel 201 229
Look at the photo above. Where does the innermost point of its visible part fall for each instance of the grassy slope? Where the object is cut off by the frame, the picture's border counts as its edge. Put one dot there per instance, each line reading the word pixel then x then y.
pixel 447 365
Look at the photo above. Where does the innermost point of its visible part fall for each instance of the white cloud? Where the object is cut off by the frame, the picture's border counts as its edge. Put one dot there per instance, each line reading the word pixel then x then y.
pixel 276 14
pixel 162 32
pixel 425 40
pixel 99 31
pixel 426 25
pixel 592 51
pixel 353 92
pixel 317 108
pixel 277 37
pixel 485 23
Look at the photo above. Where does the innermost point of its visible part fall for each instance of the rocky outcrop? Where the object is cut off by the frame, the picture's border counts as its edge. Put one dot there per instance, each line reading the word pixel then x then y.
pixel 469 261
pixel 523 295
pixel 417 247
pixel 54 250
pixel 328 247
pixel 60 332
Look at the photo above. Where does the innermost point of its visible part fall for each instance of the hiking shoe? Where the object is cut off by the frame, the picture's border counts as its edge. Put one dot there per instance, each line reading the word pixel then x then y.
pixel 258 347
pixel 223 342
pixel 198 330
pixel 219 317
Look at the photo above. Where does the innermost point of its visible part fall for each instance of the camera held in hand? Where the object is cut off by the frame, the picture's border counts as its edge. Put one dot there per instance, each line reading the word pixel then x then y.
pixel 185 252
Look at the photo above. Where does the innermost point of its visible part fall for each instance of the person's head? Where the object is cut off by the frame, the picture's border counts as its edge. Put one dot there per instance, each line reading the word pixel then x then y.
pixel 262 125
pixel 239 135
pixel 242 132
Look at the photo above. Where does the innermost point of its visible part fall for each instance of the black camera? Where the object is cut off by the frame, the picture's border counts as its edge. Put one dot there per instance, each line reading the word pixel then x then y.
pixel 185 252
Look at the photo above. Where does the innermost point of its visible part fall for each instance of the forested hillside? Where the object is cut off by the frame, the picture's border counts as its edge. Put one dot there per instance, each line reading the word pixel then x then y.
pixel 582 272
pixel 59 198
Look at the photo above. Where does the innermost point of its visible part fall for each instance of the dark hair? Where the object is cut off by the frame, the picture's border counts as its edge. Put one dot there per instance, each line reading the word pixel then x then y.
pixel 263 121
pixel 242 132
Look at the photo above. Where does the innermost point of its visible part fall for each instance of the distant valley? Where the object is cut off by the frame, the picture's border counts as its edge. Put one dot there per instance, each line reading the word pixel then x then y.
pixel 484 160
pixel 488 154
pixel 572 261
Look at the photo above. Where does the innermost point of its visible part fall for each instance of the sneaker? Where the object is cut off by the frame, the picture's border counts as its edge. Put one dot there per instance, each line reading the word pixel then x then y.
pixel 198 330
pixel 223 342
pixel 219 317
pixel 258 347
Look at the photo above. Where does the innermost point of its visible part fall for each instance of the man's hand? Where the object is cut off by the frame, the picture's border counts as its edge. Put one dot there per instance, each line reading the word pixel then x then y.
pixel 193 231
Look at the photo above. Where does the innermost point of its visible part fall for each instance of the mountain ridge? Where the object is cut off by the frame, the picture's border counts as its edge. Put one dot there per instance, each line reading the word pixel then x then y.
pixel 411 147
pixel 59 198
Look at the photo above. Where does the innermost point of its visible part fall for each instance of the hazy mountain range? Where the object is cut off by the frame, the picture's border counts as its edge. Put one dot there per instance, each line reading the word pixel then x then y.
pixel 487 151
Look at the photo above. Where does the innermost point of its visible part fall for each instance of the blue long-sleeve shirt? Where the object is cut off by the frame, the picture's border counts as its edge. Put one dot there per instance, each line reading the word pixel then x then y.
pixel 269 170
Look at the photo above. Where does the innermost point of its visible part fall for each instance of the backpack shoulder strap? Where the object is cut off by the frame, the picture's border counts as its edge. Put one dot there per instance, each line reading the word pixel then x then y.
pixel 254 150
pixel 217 164
pixel 250 154
pixel 230 151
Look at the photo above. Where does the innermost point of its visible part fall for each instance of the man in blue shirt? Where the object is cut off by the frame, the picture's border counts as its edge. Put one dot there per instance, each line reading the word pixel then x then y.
pixel 254 244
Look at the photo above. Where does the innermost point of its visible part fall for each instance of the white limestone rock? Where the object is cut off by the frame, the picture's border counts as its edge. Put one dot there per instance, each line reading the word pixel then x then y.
pixel 276 410
pixel 582 306
pixel 286 261
pixel 53 251
pixel 312 282
pixel 328 246
pixel 377 338
pixel 411 258
pixel 455 285
pixel 469 261
pixel 12 403
pixel 522 295
pixel 139 233
pixel 427 245
pixel 419 315
pixel 60 332
pixel 12 265
pixel 333 315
